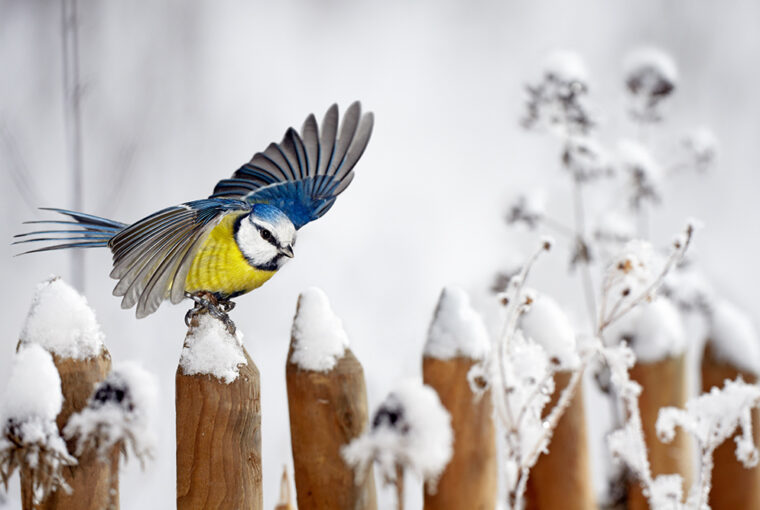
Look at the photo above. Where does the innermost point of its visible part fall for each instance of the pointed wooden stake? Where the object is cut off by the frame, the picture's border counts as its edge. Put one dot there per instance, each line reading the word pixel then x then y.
pixel 469 480
pixel 94 484
pixel 219 440
pixel 561 478
pixel 663 384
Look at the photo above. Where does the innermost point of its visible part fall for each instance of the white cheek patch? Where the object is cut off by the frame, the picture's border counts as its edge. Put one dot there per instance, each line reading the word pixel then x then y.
pixel 258 251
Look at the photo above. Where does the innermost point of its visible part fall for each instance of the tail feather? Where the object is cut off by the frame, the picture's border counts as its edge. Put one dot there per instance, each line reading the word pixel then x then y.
pixel 94 232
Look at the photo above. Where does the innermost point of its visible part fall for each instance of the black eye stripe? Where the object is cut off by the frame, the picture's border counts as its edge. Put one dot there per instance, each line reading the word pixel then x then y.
pixel 267 235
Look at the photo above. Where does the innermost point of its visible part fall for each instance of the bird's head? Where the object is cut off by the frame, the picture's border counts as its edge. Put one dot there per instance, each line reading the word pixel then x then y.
pixel 266 237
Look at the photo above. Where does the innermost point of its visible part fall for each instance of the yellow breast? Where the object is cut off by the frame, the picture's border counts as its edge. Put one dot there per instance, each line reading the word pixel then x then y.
pixel 219 266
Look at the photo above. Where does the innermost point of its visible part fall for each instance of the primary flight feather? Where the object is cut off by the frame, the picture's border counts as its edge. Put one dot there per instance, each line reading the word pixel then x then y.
pixel 235 240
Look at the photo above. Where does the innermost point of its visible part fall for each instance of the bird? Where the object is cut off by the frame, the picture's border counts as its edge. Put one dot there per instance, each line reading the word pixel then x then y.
pixel 218 248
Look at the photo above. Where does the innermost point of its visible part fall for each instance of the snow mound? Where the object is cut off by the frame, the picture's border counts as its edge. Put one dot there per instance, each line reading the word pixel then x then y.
pixel 457 329
pixel 319 339
pixel 546 324
pixel 61 321
pixel 733 337
pixel 34 387
pixel 411 428
pixel 566 66
pixel 210 349
pixel 654 331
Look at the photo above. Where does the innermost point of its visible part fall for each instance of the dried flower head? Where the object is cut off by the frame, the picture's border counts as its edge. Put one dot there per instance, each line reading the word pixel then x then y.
pixel 650 77
pixel 586 159
pixel 556 100
pixel 702 147
pixel 643 172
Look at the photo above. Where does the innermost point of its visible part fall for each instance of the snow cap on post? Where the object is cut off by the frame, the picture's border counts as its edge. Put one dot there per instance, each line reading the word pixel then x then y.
pixel 211 349
pixel 319 339
pixel 733 337
pixel 61 321
pixel 654 330
pixel 410 429
pixel 457 329
pixel 546 324
pixel 34 387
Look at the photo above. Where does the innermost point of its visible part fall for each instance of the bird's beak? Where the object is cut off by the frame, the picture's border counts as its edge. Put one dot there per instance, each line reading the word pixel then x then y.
pixel 287 251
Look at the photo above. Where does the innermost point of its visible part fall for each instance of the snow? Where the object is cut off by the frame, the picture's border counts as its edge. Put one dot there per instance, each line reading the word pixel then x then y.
pixel 34 387
pixel 733 337
pixel 653 62
pixel 614 227
pixel 546 323
pixel 703 145
pixel 566 66
pixel 644 171
pixel 118 411
pixel 586 158
pixel 62 322
pixel 654 331
pixel 319 339
pixel 410 428
pixel 457 329
pixel 210 349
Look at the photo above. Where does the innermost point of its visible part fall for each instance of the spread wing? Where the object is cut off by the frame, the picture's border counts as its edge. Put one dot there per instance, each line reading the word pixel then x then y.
pixel 151 258
pixel 303 174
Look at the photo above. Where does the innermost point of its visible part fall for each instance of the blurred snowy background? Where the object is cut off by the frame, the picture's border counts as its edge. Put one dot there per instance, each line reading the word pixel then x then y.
pixel 178 94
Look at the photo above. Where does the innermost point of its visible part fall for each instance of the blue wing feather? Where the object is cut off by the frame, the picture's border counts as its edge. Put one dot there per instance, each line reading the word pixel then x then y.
pixel 304 173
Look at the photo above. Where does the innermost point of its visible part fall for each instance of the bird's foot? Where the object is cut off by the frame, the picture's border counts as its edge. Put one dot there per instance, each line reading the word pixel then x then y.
pixel 205 302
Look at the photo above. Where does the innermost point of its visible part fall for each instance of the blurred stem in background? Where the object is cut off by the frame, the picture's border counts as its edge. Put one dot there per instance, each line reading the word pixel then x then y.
pixel 72 95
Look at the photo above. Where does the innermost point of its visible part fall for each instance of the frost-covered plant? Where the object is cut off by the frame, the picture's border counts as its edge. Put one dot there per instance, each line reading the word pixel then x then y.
pixel 712 418
pixel 519 370
pixel 29 438
pixel 650 77
pixel 410 430
pixel 117 415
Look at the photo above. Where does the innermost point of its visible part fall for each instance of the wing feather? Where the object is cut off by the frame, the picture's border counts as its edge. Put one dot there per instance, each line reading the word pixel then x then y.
pixel 304 173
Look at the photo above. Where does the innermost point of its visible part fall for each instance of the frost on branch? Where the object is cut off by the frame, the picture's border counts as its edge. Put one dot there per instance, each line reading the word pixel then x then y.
pixel 118 414
pixel 546 323
pixel 644 174
pixel 528 209
pixel 650 77
pixel 457 329
pixel 29 438
pixel 712 418
pixel 410 430
pixel 557 99
pixel 586 159
pixel 61 321
pixel 318 334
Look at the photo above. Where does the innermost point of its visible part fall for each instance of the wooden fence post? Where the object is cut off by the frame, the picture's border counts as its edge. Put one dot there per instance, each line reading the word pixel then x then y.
pixel 561 478
pixel 61 322
pixel 327 402
pixel 732 350
pixel 457 340
pixel 656 335
pixel 218 422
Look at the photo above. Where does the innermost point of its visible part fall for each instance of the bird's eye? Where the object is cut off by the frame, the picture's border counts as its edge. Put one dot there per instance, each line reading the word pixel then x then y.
pixel 266 234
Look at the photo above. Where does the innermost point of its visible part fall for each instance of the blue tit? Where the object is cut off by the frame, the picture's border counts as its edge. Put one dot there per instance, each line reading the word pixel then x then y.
pixel 238 238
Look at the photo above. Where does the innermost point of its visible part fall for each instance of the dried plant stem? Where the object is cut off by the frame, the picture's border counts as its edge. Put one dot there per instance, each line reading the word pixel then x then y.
pixel 399 487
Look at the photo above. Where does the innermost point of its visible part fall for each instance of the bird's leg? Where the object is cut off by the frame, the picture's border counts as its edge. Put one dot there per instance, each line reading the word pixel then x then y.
pixel 217 308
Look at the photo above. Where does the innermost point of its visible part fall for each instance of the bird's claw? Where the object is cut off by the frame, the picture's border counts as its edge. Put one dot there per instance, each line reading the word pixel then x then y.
pixel 217 308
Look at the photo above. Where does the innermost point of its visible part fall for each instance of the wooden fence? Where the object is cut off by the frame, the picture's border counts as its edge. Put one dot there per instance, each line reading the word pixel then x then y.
pixel 219 441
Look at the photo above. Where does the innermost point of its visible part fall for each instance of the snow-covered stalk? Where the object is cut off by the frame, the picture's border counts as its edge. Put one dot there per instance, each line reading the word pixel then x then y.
pixel 732 350
pixel 457 340
pixel 61 322
pixel 218 404
pixel 410 431
pixel 29 438
pixel 327 400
